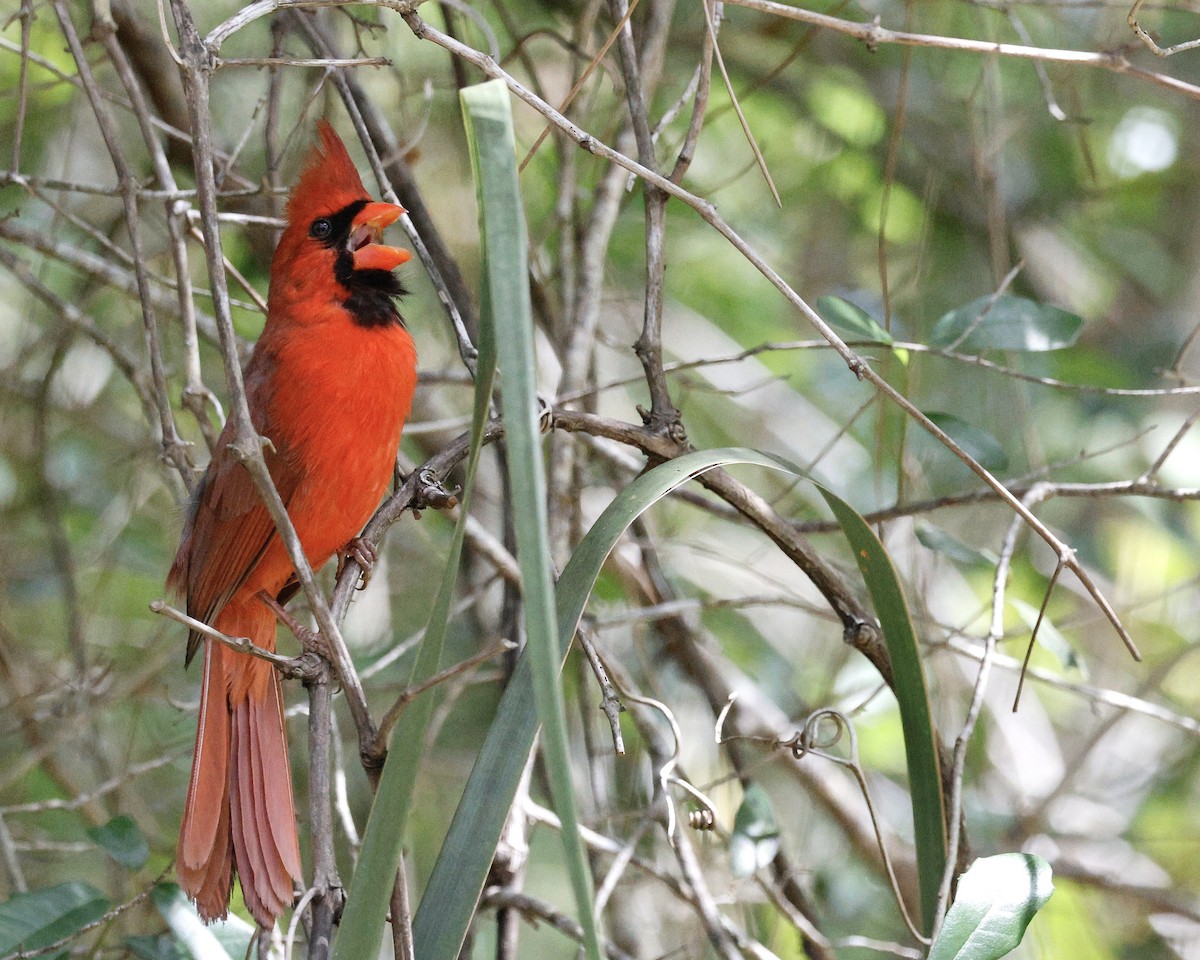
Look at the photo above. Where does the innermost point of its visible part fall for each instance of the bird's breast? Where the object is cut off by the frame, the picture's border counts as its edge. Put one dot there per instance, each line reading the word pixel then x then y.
pixel 337 403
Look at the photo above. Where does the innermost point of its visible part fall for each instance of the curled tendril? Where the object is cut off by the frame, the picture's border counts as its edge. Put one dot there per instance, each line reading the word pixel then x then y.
pixel 823 730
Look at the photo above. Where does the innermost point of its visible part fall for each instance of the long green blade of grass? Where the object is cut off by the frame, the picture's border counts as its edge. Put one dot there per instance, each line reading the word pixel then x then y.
pixel 920 744
pixel 488 114
pixel 441 921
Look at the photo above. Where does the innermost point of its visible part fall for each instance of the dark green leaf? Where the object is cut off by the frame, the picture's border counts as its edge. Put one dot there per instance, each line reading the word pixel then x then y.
pixel 122 839
pixel 852 319
pixel 912 697
pixel 1006 323
pixel 977 443
pixel 997 897
pixel 41 917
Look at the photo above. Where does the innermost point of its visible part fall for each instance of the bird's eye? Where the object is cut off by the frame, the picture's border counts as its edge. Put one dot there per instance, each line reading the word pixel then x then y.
pixel 320 229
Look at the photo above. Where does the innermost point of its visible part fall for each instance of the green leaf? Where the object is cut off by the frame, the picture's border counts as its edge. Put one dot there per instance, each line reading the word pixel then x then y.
pixel 977 443
pixel 939 541
pixel 227 939
pixel 851 318
pixel 39 918
pixel 1006 323
pixel 997 897
pixel 755 837
pixel 361 930
pixel 920 745
pixel 122 840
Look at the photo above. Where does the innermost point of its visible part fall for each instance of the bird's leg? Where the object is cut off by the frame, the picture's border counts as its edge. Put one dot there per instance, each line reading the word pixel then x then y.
pixel 365 552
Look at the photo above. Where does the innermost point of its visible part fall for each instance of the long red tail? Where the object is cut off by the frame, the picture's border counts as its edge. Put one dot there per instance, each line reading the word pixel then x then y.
pixel 239 817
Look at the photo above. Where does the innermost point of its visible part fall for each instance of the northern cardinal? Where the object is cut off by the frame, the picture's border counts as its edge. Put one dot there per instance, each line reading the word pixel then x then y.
pixel 329 383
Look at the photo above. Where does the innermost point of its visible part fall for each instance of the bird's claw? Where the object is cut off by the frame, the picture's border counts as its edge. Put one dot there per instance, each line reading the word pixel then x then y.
pixel 365 553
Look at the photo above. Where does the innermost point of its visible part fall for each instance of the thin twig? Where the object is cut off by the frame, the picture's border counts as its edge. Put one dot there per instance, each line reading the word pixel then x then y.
pixel 297 667
pixel 409 694
pixel 610 703
pixel 327 895
pixel 1141 34
pixel 874 35
pixel 173 446
pixel 711 17
pixel 103 789
pixel 857 365
pixel 538 910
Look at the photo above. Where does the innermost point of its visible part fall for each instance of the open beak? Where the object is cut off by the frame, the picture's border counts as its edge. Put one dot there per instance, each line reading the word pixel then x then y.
pixel 365 230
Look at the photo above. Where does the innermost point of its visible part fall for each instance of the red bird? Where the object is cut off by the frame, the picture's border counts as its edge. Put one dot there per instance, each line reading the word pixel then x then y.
pixel 330 383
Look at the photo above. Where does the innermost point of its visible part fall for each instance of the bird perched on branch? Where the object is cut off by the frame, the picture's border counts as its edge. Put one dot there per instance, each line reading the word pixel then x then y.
pixel 330 383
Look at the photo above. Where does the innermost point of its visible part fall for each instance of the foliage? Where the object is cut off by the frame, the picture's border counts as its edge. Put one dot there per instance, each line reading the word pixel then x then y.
pixel 1003 240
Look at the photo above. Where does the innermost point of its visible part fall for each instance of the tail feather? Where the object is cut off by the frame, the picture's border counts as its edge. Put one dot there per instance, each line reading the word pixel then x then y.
pixel 251 866
pixel 213 883
pixel 199 836
pixel 277 780
pixel 240 817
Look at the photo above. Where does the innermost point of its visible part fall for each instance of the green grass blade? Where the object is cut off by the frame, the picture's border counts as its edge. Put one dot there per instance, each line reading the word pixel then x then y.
pixel 361 931
pixel 488 114
pixel 442 919
pixel 920 745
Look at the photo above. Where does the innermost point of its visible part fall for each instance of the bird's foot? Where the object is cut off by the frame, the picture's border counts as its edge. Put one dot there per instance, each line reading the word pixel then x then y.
pixel 365 553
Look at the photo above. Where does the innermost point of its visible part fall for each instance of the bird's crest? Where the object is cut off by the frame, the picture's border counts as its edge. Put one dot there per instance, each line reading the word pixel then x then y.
pixel 329 180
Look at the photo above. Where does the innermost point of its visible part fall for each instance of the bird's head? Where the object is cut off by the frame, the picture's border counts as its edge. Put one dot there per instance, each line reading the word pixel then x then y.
pixel 331 248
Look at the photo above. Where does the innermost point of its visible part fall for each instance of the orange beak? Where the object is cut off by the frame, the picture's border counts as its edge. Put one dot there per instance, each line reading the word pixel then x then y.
pixel 365 230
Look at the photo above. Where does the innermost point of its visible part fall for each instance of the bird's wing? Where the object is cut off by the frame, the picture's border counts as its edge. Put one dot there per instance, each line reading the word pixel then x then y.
pixel 229 528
